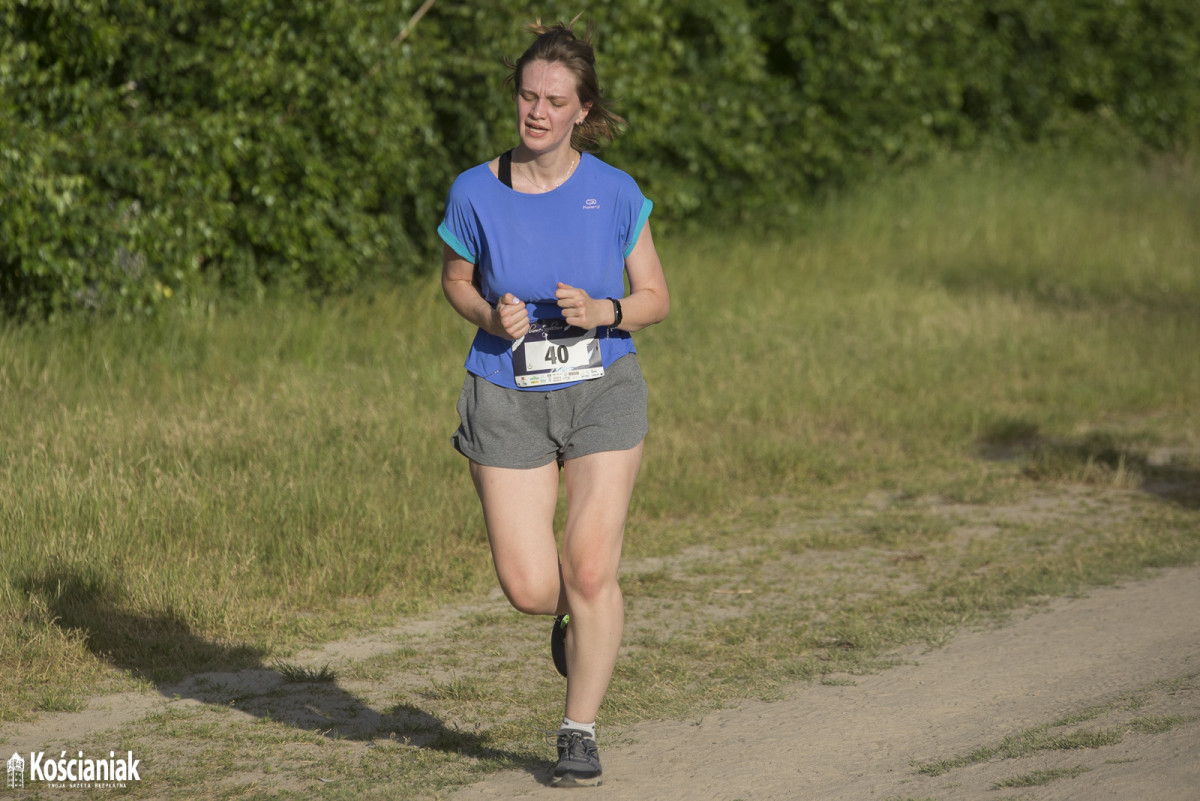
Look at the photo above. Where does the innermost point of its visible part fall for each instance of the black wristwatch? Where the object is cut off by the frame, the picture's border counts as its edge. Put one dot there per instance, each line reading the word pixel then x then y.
pixel 617 315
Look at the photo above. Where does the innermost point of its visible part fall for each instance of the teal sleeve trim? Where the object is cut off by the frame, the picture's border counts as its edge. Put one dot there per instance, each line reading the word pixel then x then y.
pixel 647 207
pixel 455 243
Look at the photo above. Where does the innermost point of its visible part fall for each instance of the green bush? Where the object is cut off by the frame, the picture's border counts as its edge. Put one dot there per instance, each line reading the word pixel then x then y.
pixel 243 144
pixel 153 151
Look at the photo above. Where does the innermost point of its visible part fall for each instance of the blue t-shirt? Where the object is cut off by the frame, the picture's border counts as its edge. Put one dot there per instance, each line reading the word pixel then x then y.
pixel 579 233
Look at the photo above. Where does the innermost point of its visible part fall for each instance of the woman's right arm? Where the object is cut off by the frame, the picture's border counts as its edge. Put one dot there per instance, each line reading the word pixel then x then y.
pixel 508 319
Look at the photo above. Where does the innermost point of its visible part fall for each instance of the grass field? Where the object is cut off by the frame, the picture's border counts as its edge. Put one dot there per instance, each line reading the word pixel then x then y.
pixel 953 392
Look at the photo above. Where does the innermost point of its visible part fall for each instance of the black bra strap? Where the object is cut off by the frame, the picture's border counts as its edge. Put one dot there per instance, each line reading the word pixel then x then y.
pixel 505 168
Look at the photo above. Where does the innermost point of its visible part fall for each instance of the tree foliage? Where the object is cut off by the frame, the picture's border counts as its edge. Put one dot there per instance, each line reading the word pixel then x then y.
pixel 152 150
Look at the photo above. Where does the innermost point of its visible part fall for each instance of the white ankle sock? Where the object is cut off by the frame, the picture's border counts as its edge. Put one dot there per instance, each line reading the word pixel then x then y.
pixel 587 728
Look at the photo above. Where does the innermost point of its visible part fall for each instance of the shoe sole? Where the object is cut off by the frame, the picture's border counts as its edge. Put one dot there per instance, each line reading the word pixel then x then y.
pixel 558 647
pixel 570 780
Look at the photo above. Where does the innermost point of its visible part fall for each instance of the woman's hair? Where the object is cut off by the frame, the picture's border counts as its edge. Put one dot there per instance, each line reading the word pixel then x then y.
pixel 558 44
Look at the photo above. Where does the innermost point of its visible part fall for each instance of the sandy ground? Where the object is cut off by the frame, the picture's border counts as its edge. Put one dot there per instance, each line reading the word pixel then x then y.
pixel 1123 657
pixel 1124 661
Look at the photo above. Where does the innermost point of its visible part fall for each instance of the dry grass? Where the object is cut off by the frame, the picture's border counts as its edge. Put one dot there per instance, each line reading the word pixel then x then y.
pixel 969 389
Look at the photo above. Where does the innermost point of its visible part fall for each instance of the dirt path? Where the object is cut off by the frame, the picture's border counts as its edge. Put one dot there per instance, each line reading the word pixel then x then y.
pixel 1122 663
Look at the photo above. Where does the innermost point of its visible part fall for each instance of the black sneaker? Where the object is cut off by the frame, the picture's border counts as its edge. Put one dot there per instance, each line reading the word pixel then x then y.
pixel 558 643
pixel 578 760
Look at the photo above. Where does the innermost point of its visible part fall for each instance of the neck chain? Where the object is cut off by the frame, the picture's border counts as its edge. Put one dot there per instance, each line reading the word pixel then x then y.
pixel 561 181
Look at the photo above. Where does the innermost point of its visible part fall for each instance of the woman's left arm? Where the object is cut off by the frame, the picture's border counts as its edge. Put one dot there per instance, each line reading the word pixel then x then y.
pixel 647 303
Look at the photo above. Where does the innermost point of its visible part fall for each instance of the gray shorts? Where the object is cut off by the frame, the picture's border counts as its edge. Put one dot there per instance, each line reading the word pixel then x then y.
pixel 525 428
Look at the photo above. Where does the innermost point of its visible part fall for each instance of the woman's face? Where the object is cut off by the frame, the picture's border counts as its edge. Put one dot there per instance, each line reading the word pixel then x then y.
pixel 548 106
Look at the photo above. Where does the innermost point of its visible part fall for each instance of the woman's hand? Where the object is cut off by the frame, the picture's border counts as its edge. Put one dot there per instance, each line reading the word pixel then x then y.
pixel 582 310
pixel 510 316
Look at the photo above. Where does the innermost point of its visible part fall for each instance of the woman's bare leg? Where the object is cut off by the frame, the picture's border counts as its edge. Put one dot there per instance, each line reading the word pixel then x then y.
pixel 518 509
pixel 599 487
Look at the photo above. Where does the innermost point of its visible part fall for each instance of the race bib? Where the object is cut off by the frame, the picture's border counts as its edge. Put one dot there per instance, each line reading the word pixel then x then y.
pixel 554 352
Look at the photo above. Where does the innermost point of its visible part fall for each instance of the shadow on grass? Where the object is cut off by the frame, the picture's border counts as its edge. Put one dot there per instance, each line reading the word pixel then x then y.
pixel 164 650
pixel 1097 458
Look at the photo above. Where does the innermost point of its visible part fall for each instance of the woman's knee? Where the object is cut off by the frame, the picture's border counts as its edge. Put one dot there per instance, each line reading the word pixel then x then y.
pixel 536 597
pixel 590 582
